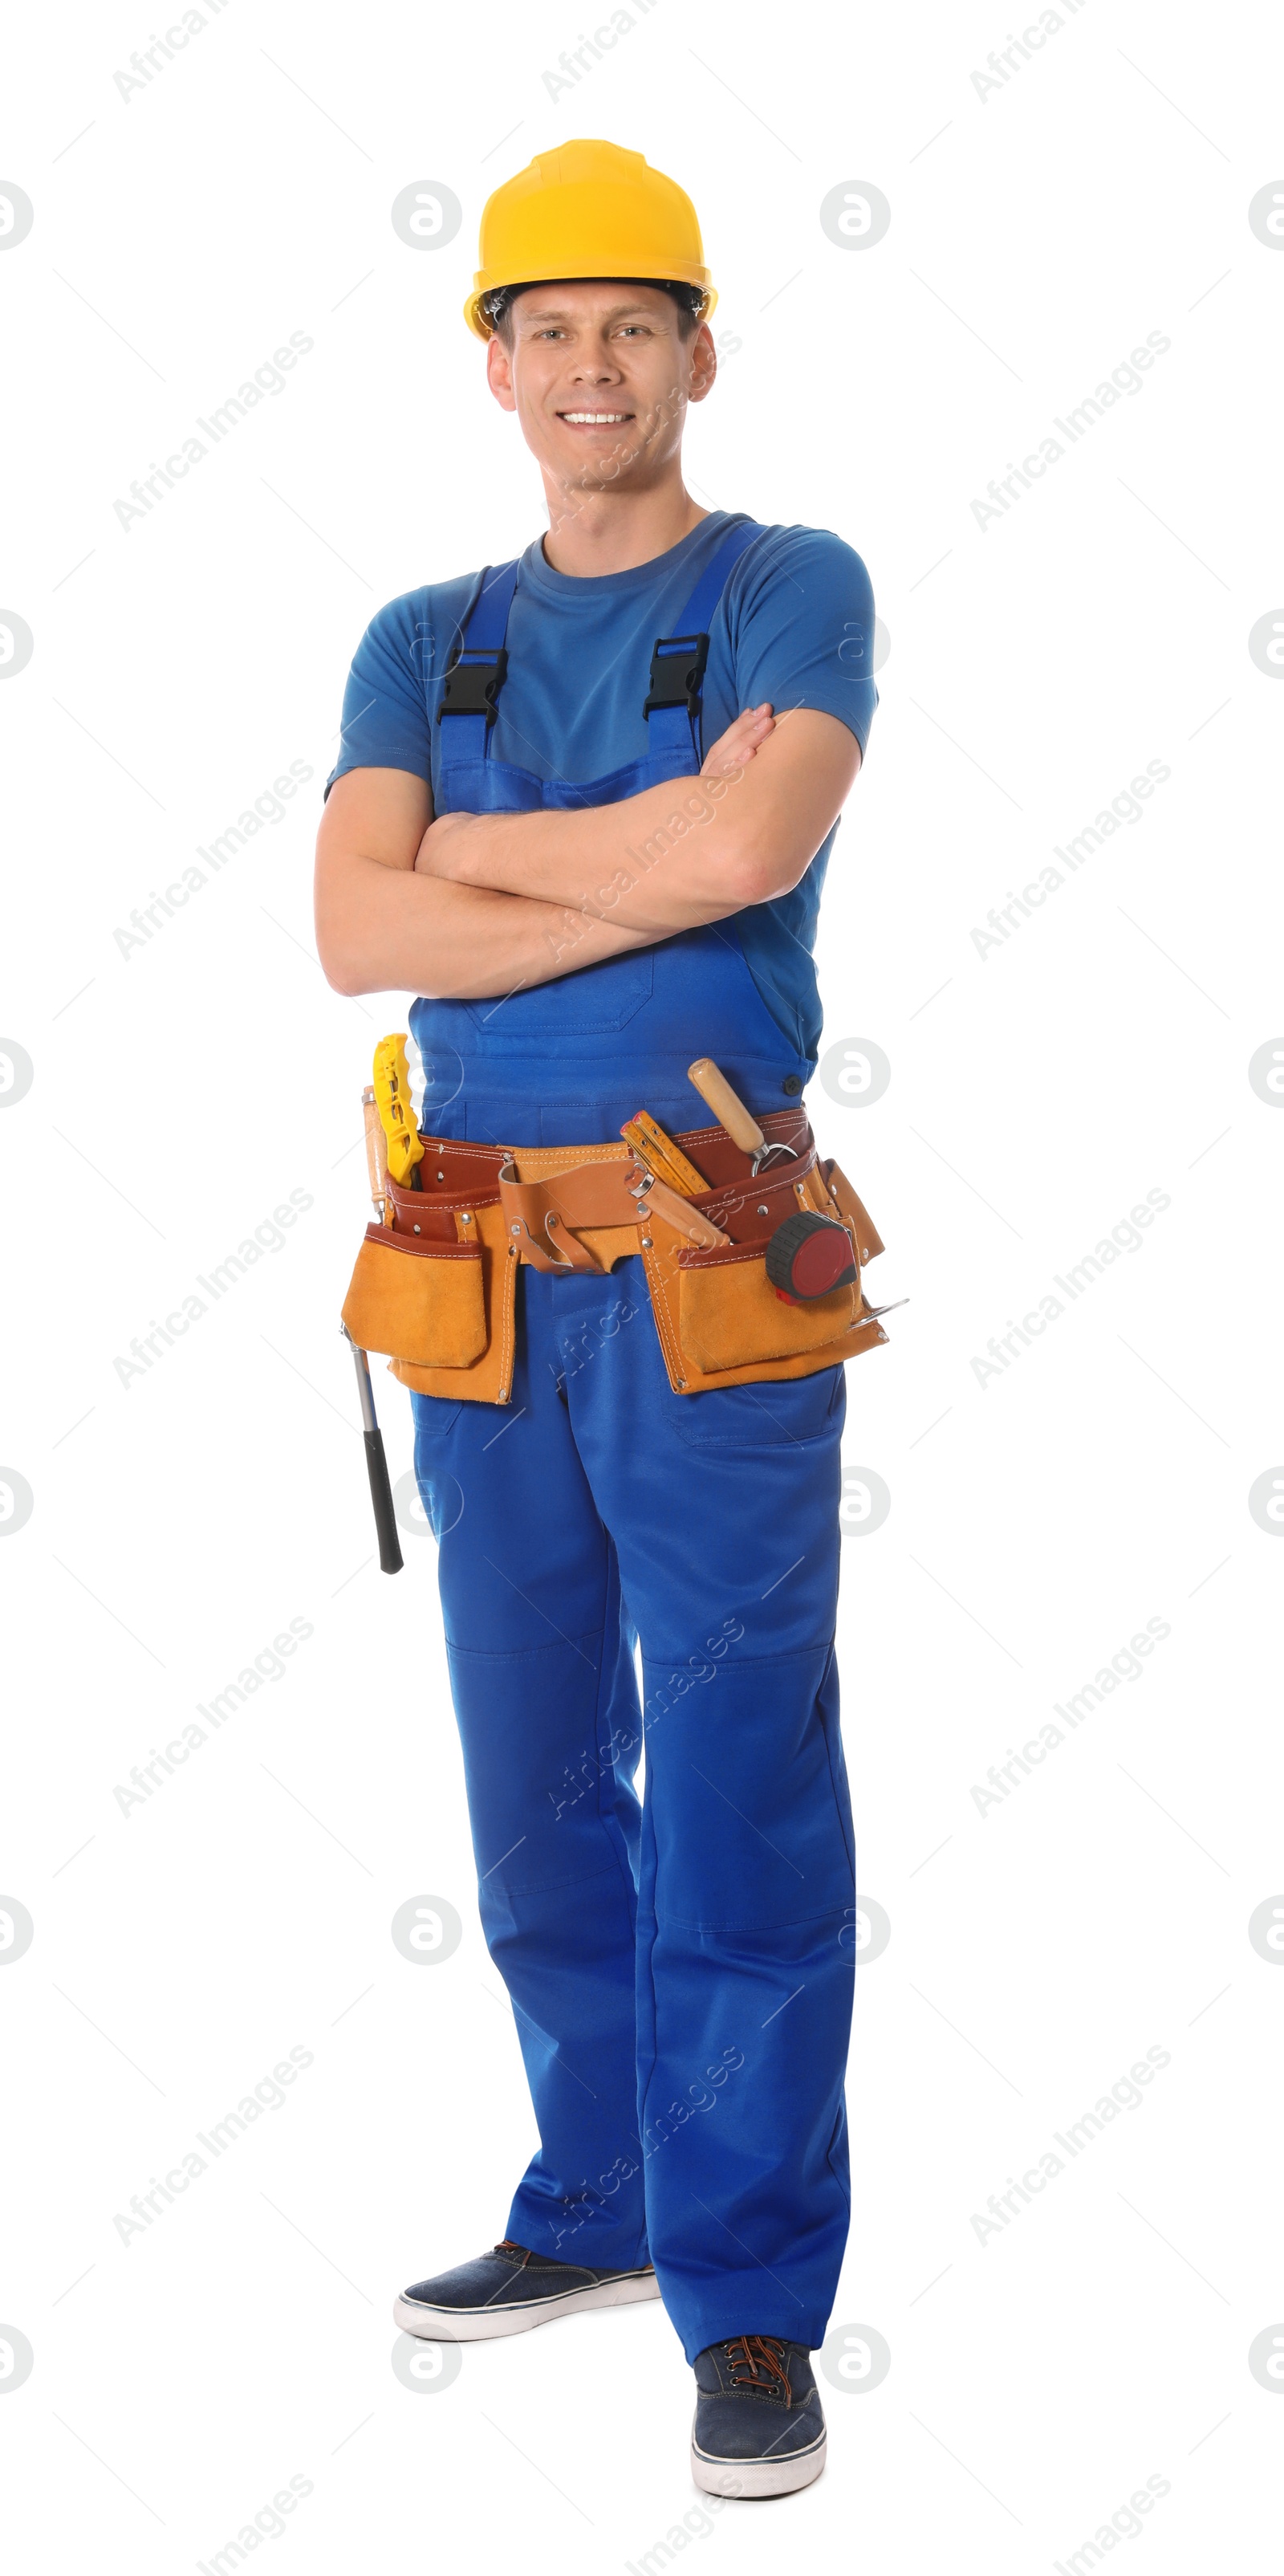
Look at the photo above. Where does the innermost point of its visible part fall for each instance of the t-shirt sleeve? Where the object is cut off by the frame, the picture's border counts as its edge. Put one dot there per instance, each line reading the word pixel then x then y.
pixel 803 628
pixel 385 710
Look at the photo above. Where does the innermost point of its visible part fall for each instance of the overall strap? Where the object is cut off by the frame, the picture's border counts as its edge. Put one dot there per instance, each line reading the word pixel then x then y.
pixel 475 671
pixel 673 705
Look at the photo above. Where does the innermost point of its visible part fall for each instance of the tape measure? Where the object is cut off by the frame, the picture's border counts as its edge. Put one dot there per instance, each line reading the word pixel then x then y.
pixel 807 1256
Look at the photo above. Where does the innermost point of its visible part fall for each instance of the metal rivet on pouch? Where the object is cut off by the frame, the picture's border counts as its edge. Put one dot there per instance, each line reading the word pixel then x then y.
pixel 503 1395
pixel 682 1386
pixel 466 1217
pixel 418 1229
pixel 441 1176
pixel 764 1211
pixel 647 1244
pixel 514 1229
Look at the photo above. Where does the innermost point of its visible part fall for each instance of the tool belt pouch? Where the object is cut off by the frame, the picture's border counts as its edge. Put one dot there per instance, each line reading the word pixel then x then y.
pixel 729 1314
pixel 434 1289
pixel 417 1301
pixel 720 1319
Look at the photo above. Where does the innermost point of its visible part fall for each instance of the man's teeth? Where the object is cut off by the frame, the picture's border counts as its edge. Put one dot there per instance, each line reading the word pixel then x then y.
pixel 593 417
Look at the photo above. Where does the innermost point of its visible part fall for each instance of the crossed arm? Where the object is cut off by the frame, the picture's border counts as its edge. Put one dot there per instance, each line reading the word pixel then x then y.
pixel 474 905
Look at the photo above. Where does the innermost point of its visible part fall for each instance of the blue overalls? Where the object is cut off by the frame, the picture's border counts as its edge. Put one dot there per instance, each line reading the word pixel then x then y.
pixel 680 1967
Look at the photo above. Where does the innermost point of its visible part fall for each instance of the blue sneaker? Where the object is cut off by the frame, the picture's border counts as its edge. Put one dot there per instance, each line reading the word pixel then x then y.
pixel 759 2428
pixel 509 2289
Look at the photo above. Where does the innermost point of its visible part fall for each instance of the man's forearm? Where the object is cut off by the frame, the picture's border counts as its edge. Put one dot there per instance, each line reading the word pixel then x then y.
pixel 666 860
pixel 472 907
pixel 384 929
pixel 690 851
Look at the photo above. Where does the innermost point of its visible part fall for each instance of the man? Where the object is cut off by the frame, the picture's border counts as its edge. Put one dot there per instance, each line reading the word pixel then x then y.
pixel 504 837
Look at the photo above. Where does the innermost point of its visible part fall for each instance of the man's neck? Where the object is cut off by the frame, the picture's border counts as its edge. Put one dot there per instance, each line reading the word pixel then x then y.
pixel 591 533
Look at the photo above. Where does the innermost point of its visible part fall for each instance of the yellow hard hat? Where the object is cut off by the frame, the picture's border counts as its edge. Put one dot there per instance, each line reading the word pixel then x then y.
pixel 587 210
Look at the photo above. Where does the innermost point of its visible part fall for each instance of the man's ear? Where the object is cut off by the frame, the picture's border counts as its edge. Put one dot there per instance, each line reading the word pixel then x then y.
pixel 704 364
pixel 499 373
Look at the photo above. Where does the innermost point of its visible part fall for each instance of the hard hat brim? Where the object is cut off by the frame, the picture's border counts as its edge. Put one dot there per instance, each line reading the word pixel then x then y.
pixel 676 274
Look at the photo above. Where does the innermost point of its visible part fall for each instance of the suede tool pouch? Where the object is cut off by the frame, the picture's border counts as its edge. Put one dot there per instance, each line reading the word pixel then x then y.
pixel 719 1317
pixel 729 1314
pixel 416 1300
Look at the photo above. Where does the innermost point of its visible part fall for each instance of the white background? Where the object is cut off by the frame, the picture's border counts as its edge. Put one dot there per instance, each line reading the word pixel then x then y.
pixel 1038 1520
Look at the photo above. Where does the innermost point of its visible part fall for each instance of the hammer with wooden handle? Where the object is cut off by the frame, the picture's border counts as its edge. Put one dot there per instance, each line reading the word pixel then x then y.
pixel 729 1109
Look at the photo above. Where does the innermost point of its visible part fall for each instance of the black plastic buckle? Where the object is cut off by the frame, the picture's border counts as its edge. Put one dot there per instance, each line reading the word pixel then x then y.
pixel 472 688
pixel 677 669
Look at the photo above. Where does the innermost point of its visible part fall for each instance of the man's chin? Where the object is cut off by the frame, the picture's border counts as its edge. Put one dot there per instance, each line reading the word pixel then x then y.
pixel 598 460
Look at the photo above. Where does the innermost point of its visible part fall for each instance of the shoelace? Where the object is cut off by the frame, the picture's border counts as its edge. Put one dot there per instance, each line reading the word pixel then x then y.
pixel 756 2363
pixel 509 2245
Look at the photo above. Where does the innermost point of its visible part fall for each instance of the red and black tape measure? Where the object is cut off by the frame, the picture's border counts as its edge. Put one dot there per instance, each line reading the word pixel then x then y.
pixel 807 1256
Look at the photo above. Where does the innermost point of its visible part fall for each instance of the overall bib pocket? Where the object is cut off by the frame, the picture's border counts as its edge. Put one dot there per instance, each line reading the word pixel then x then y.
pixel 592 1002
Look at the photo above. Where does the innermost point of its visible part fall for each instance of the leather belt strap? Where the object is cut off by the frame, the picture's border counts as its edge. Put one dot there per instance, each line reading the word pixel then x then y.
pixel 545 1216
pixel 568 1191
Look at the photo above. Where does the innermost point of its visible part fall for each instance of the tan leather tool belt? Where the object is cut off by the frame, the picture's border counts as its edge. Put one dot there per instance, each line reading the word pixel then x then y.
pixel 435 1286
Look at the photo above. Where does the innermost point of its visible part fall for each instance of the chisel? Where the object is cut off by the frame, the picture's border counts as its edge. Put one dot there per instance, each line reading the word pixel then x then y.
pixel 730 1110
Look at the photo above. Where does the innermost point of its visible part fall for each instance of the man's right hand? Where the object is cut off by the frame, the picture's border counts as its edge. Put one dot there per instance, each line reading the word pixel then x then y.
pixel 735 748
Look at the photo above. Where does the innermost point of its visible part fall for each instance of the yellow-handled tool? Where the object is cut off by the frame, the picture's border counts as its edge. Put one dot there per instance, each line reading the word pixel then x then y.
pixel 730 1111
pixel 396 1109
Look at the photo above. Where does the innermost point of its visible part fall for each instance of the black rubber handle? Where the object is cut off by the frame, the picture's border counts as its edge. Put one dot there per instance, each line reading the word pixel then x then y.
pixel 390 1556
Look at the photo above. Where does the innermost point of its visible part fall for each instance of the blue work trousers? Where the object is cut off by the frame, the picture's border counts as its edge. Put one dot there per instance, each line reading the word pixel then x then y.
pixel 680 1964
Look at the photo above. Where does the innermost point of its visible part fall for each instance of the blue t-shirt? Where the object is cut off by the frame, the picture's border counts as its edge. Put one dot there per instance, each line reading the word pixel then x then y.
pixel 795 625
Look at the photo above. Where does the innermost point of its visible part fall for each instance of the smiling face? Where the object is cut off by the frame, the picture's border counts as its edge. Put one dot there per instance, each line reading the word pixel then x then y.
pixel 600 376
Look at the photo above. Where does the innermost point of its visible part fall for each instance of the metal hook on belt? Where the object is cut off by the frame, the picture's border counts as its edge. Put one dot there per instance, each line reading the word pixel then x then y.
pixel 563 1259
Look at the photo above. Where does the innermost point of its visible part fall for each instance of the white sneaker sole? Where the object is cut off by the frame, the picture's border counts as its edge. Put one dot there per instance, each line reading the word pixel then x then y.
pixel 478 2325
pixel 757 2477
